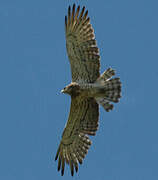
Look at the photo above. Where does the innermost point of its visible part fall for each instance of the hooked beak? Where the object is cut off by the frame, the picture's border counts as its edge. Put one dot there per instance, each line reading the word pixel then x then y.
pixel 62 91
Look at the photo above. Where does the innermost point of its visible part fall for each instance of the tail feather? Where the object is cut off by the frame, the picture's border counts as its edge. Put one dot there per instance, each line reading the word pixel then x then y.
pixel 110 89
pixel 105 103
pixel 106 75
pixel 113 90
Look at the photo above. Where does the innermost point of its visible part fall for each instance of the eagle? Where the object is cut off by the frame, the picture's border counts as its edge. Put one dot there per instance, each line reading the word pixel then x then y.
pixel 88 90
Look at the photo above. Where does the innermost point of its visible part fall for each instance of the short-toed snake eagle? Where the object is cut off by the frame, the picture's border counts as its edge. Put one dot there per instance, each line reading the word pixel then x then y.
pixel 87 90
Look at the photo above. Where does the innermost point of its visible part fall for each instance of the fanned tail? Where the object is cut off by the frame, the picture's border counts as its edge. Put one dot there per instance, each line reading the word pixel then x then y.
pixel 110 89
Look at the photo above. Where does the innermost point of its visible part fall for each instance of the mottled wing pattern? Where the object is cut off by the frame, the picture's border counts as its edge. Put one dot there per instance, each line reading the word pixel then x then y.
pixel 83 121
pixel 81 46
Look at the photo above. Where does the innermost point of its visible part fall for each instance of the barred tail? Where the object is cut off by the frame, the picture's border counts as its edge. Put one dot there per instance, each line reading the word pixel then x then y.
pixel 106 75
pixel 110 89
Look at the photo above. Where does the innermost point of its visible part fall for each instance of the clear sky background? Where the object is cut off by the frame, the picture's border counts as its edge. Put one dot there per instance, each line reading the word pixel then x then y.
pixel 34 68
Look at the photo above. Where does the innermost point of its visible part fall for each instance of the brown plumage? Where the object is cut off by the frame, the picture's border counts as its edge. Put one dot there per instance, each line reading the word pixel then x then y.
pixel 87 90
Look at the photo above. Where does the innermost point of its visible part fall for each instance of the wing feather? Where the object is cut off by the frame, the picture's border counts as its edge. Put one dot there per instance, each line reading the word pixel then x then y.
pixel 81 46
pixel 74 145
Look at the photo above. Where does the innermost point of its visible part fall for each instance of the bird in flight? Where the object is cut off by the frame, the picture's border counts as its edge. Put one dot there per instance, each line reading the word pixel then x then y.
pixel 88 89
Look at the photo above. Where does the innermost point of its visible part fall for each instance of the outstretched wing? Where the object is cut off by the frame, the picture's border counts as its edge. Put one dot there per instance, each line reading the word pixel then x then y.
pixel 74 145
pixel 81 46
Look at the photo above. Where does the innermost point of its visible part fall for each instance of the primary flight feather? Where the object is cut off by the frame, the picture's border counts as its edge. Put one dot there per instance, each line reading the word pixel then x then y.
pixel 88 89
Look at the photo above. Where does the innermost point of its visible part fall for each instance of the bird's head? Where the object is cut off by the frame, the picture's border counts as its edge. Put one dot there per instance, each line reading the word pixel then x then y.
pixel 72 89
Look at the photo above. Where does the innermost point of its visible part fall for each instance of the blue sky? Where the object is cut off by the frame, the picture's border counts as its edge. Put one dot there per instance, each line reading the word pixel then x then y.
pixel 34 68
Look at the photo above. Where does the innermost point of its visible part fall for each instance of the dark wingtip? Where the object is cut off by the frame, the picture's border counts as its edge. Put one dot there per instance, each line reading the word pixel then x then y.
pixel 88 19
pixel 56 157
pixel 59 165
pixel 86 13
pixel 76 168
pixel 62 172
pixel 69 9
pixel 72 167
pixel 78 8
pixel 57 154
pixel 72 173
pixel 80 161
pixel 74 6
pixel 65 20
